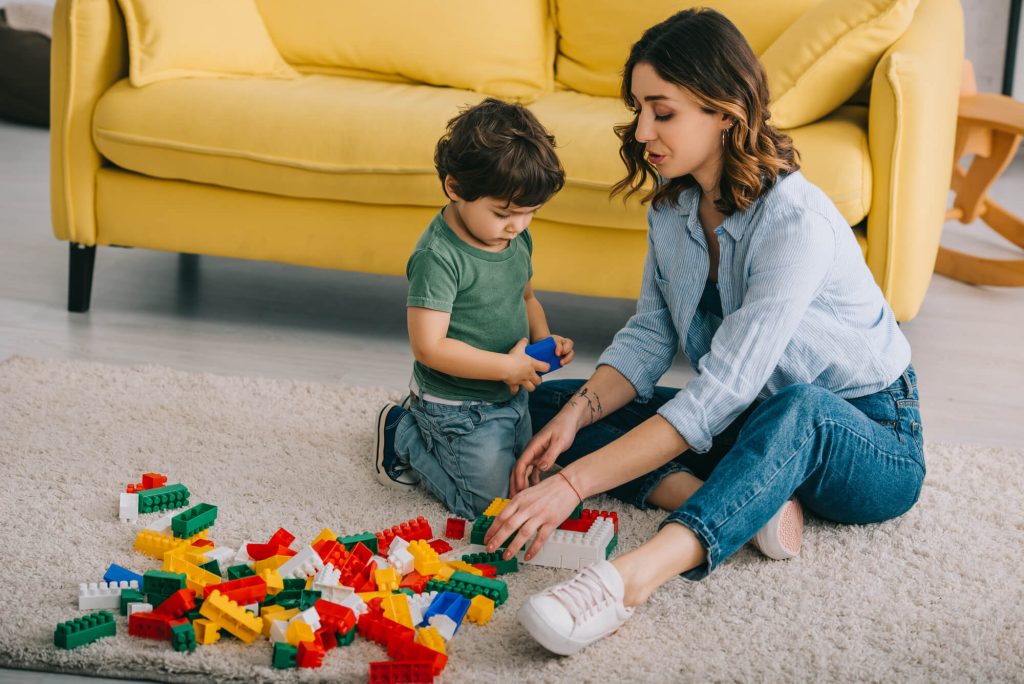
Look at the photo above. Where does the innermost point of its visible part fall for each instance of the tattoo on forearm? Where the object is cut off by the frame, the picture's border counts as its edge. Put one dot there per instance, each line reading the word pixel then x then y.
pixel 593 403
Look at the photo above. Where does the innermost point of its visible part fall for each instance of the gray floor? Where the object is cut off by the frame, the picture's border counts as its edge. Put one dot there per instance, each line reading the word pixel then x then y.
pixel 248 318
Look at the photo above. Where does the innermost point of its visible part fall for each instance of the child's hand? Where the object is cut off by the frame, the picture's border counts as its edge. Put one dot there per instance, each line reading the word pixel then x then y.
pixel 563 349
pixel 521 370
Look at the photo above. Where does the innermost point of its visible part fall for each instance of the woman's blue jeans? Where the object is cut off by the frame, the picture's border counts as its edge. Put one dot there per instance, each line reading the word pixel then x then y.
pixel 847 460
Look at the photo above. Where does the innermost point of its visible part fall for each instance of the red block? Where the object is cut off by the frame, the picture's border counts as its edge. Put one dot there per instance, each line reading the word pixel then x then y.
pixel 455 528
pixel 282 537
pixel 440 546
pixel 331 551
pixel 337 618
pixel 153 480
pixel 265 551
pixel 410 650
pixel 408 672
pixel 326 638
pixel 242 591
pixel 383 631
pixel 150 625
pixel 488 570
pixel 310 654
pixel 177 604
pixel 590 514
pixel 202 542
pixel 415 581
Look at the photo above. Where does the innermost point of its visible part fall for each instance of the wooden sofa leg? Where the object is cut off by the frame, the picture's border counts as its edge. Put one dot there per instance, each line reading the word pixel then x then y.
pixel 80 268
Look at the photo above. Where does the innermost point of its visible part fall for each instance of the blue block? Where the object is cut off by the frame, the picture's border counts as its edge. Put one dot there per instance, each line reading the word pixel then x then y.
pixel 115 573
pixel 545 351
pixel 447 603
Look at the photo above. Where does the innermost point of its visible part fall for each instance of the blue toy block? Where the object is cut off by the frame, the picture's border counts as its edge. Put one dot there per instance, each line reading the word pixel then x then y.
pixel 545 351
pixel 447 603
pixel 115 573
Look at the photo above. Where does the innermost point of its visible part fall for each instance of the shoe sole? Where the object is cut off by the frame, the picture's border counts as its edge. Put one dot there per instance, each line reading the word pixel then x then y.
pixel 781 537
pixel 378 459
pixel 538 628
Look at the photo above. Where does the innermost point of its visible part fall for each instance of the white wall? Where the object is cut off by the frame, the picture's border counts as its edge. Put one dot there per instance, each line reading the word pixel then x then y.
pixel 985 28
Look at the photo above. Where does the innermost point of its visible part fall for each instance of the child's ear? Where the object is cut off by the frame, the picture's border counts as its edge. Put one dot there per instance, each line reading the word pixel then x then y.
pixel 451 189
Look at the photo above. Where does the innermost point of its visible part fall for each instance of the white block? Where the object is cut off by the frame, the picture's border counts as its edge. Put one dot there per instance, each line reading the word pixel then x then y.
pixel 222 554
pixel 278 631
pixel 335 593
pixel 328 575
pixel 140 607
pixel 310 617
pixel 444 625
pixel 253 608
pixel 355 603
pixel 305 563
pixel 128 510
pixel 402 561
pixel 418 604
pixel 243 554
pixel 382 563
pixel 102 595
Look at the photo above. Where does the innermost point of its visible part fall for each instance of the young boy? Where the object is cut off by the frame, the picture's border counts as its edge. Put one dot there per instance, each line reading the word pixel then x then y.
pixel 471 309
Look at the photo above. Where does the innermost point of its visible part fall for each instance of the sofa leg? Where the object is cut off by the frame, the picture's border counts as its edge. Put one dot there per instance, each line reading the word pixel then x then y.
pixel 80 266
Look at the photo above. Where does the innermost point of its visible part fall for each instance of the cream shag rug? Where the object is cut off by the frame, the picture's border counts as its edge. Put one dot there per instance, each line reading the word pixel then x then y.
pixel 934 596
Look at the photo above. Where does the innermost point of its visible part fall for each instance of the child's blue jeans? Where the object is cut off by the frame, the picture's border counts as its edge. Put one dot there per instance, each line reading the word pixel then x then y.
pixel 464 454
pixel 849 461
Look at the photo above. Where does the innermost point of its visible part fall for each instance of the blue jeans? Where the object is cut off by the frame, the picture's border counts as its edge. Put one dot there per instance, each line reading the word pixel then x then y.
pixel 850 461
pixel 464 454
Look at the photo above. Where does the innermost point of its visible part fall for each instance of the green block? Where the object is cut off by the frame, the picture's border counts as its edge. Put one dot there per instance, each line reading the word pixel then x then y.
pixel 163 498
pixel 494 558
pixel 307 598
pixel 130 596
pixel 84 630
pixel 293 583
pixel 346 638
pixel 289 598
pixel 496 590
pixel 285 656
pixel 194 520
pixel 156 599
pixel 212 566
pixel 405 590
pixel 480 527
pixel 611 546
pixel 367 539
pixel 183 637
pixel 162 582
pixel 240 571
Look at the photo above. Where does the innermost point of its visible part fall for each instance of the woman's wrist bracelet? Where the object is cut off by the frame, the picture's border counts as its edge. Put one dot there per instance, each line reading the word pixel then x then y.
pixel 576 491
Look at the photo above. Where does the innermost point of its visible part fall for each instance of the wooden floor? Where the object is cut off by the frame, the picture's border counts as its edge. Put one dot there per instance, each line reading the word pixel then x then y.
pixel 250 318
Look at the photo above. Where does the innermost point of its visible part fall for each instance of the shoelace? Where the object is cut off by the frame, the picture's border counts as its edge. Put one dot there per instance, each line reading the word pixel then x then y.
pixel 583 594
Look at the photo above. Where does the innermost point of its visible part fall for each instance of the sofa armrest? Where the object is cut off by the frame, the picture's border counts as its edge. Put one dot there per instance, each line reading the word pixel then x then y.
pixel 911 130
pixel 89 54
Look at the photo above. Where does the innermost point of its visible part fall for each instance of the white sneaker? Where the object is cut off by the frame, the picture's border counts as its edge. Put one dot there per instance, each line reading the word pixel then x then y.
pixel 781 536
pixel 568 616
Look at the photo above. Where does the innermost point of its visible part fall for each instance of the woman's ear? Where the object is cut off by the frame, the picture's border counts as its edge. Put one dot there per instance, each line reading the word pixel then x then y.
pixel 451 189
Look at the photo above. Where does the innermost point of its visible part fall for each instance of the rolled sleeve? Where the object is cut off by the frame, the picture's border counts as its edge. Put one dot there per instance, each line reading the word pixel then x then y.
pixel 644 349
pixel 787 270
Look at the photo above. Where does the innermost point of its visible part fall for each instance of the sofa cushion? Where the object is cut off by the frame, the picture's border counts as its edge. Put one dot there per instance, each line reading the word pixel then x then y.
pixel 826 55
pixel 351 139
pixel 500 48
pixel 595 36
pixel 198 38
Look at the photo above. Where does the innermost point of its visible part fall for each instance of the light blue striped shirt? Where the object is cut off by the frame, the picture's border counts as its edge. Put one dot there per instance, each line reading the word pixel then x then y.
pixel 800 305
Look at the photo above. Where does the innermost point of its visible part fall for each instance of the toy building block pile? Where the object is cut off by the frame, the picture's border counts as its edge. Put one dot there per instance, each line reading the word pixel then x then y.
pixel 398 587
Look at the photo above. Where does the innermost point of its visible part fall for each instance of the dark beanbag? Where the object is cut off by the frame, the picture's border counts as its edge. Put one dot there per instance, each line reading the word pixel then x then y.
pixel 24 75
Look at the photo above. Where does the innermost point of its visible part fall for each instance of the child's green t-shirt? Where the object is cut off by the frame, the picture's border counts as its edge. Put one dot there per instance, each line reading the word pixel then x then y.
pixel 483 292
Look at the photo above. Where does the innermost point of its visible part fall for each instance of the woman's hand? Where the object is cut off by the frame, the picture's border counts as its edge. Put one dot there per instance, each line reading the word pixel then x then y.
pixel 542 450
pixel 537 510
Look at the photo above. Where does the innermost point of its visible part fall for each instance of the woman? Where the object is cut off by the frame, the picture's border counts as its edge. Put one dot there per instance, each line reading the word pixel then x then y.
pixel 804 387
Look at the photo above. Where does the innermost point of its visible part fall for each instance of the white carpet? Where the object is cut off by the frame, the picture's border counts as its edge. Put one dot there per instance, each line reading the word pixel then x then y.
pixel 934 596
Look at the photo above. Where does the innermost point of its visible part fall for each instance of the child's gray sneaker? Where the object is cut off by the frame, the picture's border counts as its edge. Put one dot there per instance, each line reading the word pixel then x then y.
pixel 391 471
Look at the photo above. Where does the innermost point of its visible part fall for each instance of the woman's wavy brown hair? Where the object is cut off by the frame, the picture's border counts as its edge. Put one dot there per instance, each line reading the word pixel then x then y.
pixel 704 53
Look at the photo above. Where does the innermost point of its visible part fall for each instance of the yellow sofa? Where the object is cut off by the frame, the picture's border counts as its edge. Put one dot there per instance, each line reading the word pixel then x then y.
pixel 333 169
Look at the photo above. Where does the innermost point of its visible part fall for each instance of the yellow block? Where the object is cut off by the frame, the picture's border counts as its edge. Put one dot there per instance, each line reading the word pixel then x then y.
pixel 387 579
pixel 272 614
pixel 445 572
pixel 272 563
pixel 298 631
pixel 431 638
pixel 425 559
pixel 195 577
pixel 480 610
pixel 231 616
pixel 465 567
pixel 207 632
pixel 325 535
pixel 495 507
pixel 396 607
pixel 155 545
pixel 273 579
